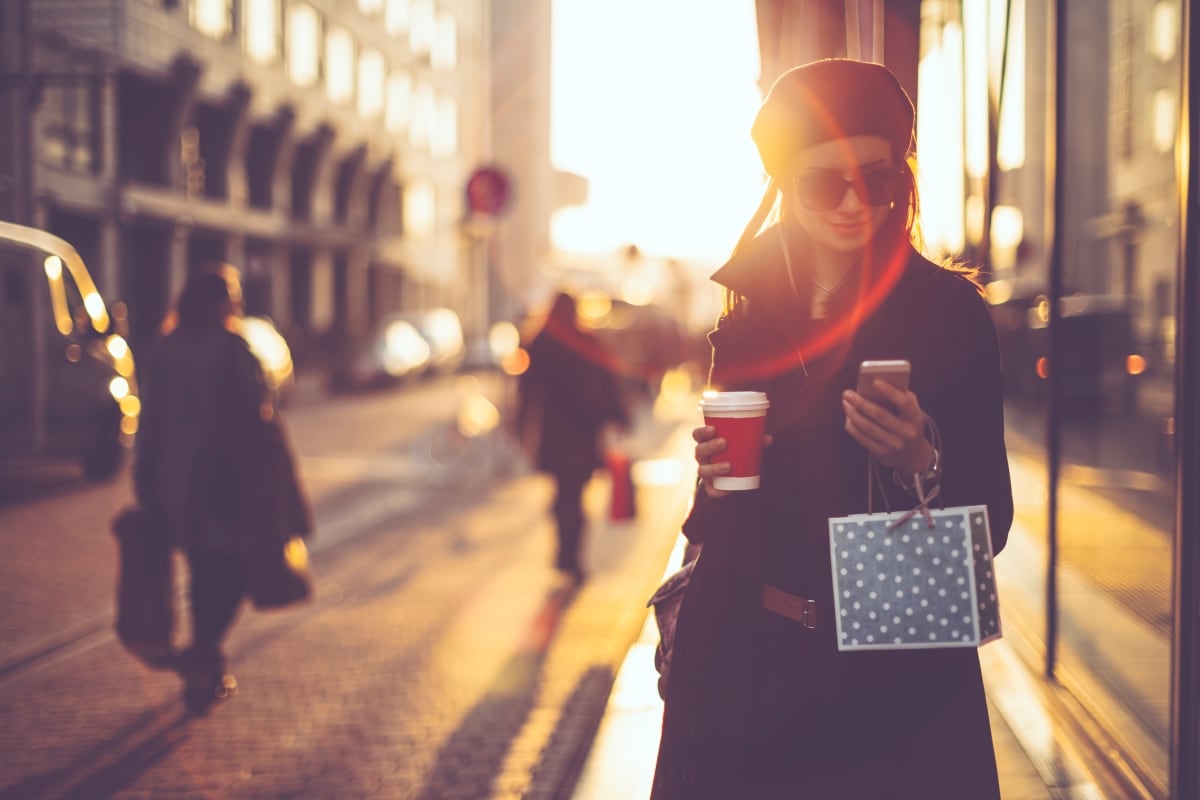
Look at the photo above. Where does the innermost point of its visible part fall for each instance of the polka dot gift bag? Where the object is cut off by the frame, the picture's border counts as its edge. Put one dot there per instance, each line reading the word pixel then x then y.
pixel 914 579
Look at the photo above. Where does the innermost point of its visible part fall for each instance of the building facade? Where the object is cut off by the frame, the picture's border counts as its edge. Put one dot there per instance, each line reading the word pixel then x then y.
pixel 320 145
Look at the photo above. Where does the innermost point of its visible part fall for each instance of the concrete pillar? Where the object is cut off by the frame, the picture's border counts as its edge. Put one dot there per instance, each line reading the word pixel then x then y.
pixel 16 114
pixel 177 261
pixel 109 278
pixel 285 158
pixel 279 264
pixel 182 82
pixel 233 153
pixel 357 313
pixel 320 309
pixel 112 276
pixel 235 251
pixel 314 164
pixel 350 188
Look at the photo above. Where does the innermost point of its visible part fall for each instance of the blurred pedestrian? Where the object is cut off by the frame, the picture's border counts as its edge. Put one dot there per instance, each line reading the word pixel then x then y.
pixel 761 703
pixel 566 398
pixel 205 467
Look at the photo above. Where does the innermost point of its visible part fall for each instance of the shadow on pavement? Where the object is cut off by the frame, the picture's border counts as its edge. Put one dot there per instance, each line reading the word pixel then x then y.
pixel 475 752
pixel 152 742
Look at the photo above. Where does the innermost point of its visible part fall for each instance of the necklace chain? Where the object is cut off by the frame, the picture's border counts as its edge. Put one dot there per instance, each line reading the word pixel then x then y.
pixel 836 286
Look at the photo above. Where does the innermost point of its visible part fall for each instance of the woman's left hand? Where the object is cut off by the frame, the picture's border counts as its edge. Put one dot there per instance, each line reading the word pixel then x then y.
pixel 896 438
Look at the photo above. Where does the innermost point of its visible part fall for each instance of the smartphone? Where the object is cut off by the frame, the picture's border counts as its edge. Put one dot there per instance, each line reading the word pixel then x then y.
pixel 894 372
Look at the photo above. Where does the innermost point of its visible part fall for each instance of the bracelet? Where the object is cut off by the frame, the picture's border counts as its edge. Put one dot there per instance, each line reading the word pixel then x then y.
pixel 931 475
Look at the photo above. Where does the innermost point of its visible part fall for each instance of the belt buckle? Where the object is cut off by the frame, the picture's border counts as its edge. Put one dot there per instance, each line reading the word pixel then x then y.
pixel 793 606
pixel 809 617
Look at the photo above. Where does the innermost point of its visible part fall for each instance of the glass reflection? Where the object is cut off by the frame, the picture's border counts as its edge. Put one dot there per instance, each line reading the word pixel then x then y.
pixel 1115 321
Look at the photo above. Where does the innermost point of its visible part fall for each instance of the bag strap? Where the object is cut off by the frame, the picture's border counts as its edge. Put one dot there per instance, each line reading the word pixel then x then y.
pixel 874 480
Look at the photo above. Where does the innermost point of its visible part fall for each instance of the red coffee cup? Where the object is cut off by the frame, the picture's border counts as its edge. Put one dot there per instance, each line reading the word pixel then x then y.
pixel 740 419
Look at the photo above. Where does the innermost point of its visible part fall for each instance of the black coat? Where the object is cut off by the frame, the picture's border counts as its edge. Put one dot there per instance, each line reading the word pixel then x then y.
pixel 757 705
pixel 213 459
pixel 566 397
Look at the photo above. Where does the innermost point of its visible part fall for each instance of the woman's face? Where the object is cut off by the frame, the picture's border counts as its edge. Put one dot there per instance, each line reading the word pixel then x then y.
pixel 842 190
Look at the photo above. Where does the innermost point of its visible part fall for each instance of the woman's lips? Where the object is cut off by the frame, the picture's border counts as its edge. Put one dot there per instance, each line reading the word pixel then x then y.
pixel 847 228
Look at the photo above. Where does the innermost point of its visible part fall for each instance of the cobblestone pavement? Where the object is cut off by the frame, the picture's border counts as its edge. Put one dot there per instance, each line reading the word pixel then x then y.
pixel 440 658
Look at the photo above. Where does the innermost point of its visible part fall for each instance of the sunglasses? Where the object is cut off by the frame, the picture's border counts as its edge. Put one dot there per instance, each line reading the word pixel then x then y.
pixel 824 189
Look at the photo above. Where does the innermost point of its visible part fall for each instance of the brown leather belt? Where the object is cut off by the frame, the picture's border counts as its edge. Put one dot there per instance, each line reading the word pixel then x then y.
pixel 789 605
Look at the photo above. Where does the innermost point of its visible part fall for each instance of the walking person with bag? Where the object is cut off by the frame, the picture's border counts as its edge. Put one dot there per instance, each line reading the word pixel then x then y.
pixel 566 398
pixel 759 700
pixel 213 469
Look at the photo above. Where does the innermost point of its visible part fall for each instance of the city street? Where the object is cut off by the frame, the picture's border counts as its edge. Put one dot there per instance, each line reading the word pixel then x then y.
pixel 441 657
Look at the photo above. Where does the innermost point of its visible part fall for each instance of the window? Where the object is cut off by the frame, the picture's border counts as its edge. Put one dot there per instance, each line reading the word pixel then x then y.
pixel 399 102
pixel 1164 30
pixel 371 70
pixel 424 110
pixel 339 65
pixel 420 209
pixel 423 27
pixel 1010 142
pixel 396 15
pixel 67 137
pixel 303 44
pixel 212 17
pixel 445 132
pixel 444 54
pixel 1163 115
pixel 262 30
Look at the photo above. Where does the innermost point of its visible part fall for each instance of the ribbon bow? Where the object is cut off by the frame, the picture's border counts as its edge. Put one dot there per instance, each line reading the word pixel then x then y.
pixel 922 506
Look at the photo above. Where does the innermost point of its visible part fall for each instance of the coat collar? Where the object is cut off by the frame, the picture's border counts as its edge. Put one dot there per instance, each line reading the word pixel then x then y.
pixel 757 270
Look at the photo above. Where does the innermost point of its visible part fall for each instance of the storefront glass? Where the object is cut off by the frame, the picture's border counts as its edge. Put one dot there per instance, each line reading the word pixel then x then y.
pixel 1116 488
pixel 956 97
pixel 1111 612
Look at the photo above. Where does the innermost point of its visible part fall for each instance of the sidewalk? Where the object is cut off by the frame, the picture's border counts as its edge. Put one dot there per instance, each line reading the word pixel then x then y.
pixel 451 661
pixel 620 764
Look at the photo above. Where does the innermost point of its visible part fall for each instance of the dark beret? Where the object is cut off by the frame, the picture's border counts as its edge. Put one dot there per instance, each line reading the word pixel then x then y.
pixel 830 99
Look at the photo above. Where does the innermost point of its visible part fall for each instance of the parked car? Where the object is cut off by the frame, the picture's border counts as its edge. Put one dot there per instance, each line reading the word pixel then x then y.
pixel 393 350
pixel 443 330
pixel 67 380
pixel 1103 362
pixel 272 351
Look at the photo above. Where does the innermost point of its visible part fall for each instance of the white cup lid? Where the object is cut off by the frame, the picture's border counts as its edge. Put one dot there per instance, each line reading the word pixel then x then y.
pixel 734 401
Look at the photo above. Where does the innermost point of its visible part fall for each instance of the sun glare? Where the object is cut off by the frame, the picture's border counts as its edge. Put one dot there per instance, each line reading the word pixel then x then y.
pixel 652 102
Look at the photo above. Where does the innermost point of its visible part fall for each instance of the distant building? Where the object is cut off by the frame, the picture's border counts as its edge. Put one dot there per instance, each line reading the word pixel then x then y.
pixel 521 51
pixel 320 145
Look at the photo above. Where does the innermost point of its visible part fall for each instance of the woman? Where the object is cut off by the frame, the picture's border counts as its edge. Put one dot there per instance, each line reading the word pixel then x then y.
pixel 202 468
pixel 760 704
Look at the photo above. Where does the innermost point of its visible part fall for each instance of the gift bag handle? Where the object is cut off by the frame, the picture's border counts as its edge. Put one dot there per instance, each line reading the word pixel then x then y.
pixel 875 481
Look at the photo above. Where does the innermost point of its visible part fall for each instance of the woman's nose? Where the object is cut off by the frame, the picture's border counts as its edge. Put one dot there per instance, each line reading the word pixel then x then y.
pixel 851 200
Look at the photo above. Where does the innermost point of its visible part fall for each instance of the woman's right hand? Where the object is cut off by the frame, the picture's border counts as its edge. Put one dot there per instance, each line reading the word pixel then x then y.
pixel 708 445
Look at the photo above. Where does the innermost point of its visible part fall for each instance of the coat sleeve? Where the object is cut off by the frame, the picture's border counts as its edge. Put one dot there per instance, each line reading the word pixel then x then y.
pixel 967 405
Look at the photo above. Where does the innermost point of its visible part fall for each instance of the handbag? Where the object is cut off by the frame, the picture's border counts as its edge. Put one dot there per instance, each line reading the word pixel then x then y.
pixel 145 612
pixel 279 576
pixel 622 504
pixel 915 579
pixel 666 602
